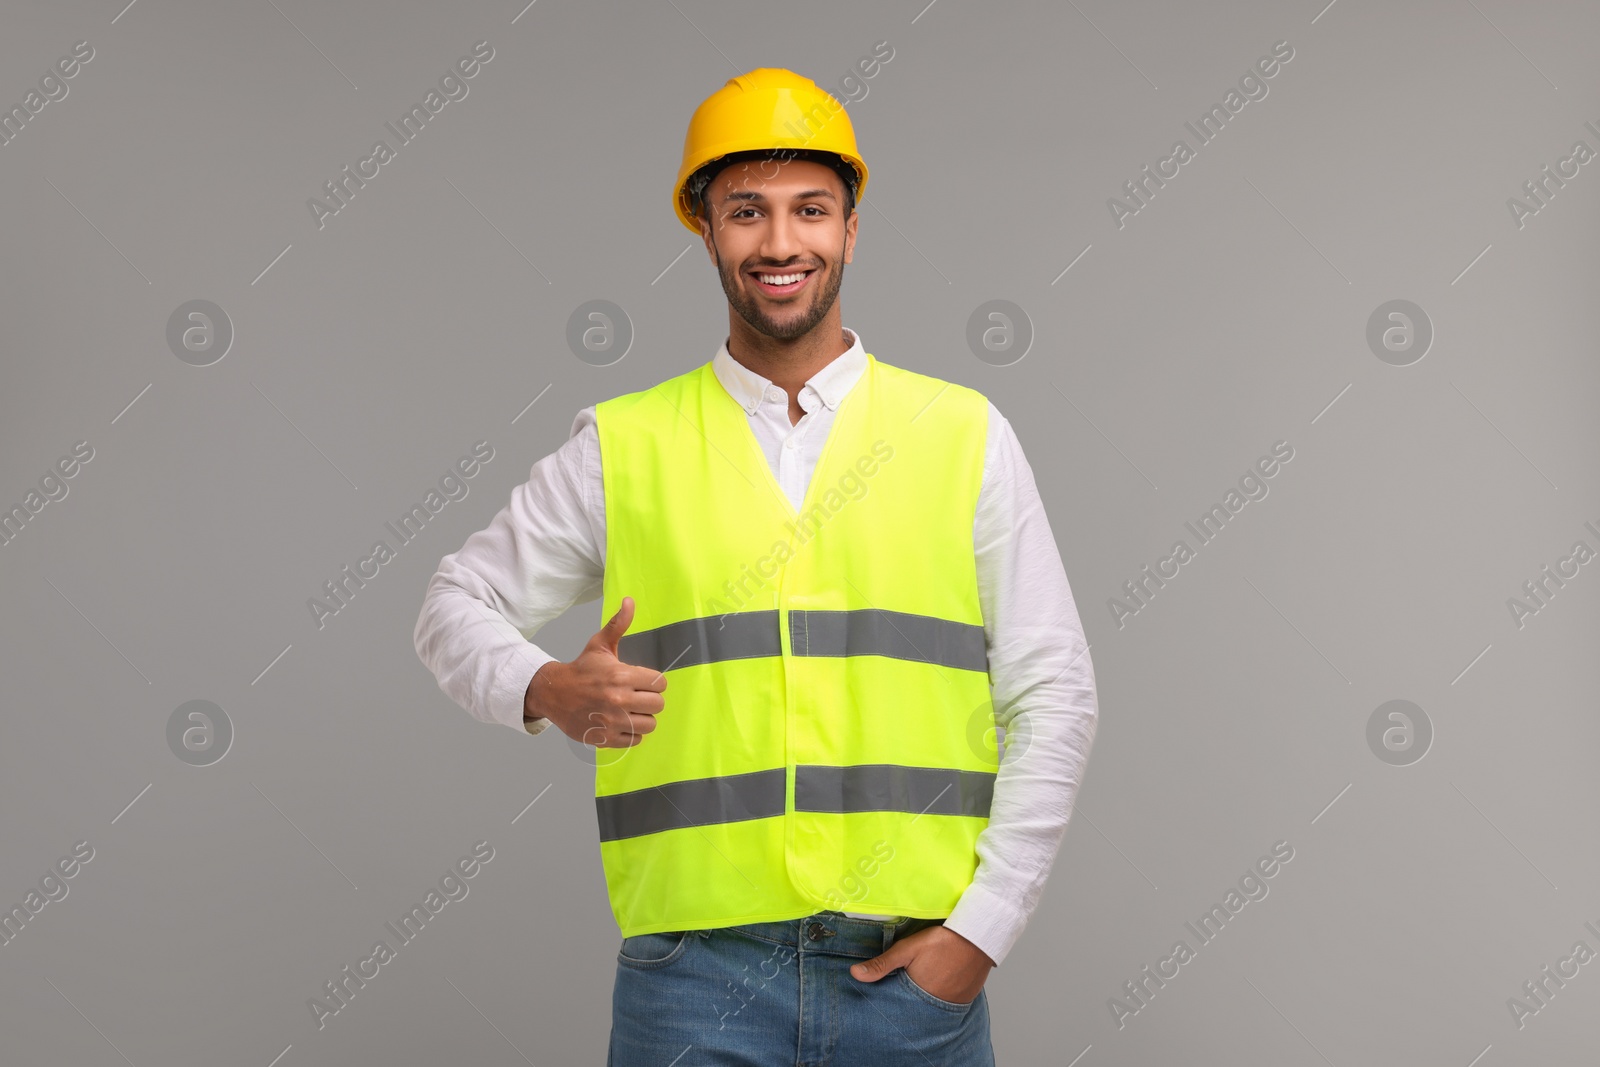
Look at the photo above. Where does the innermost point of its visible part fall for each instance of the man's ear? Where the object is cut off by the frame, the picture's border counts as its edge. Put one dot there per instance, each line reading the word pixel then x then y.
pixel 850 235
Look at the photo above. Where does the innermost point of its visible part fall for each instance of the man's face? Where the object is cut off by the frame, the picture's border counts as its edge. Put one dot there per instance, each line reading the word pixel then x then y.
pixel 779 218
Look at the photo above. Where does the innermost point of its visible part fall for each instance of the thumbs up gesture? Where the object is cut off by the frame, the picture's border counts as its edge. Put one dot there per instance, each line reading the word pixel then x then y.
pixel 597 699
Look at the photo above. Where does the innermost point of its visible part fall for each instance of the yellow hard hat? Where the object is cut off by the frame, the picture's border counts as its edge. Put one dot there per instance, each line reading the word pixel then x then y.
pixel 766 108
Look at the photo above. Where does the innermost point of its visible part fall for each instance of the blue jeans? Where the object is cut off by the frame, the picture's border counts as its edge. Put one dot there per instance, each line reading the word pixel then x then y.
pixel 780 994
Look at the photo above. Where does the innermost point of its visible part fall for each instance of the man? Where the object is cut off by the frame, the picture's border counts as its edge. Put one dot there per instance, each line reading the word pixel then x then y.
pixel 813 848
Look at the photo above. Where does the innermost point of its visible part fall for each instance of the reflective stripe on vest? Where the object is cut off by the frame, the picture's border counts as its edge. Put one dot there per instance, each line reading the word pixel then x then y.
pixel 861 632
pixel 889 787
pixel 759 795
pixel 704 640
pixel 700 802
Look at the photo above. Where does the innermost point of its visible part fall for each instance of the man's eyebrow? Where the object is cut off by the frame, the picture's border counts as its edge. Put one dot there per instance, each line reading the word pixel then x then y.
pixel 752 195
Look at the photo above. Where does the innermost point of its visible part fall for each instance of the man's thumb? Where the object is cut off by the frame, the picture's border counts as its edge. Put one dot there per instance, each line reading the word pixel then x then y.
pixel 611 633
pixel 872 970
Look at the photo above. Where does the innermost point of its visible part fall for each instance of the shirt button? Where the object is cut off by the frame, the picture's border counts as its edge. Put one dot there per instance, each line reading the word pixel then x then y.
pixel 774 395
pixel 790 443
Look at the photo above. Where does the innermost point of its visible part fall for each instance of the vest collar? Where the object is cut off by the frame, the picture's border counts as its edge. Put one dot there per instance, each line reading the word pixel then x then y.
pixel 831 384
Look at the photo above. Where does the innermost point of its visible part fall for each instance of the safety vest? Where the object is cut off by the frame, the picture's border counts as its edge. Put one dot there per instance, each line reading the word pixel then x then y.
pixel 827 739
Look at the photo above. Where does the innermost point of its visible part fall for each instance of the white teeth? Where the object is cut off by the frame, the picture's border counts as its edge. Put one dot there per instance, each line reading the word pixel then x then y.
pixel 780 279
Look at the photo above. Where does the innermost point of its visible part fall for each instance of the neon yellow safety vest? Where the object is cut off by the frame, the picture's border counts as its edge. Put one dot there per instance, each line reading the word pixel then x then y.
pixel 827 736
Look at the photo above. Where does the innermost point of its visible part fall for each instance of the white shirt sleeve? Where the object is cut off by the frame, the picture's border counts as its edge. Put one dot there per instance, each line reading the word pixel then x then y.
pixel 1043 692
pixel 537 558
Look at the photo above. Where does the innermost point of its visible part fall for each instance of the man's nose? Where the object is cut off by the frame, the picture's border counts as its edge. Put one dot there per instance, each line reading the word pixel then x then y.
pixel 782 241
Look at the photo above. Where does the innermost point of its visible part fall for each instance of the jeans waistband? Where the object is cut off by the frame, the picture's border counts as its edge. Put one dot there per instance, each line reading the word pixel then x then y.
pixel 833 933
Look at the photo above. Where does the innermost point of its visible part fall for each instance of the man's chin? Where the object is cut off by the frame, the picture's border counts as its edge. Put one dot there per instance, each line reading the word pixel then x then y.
pixel 797 325
pixel 788 334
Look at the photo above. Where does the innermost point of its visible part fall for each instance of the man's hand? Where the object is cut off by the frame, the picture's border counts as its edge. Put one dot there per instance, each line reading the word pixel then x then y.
pixel 597 699
pixel 941 961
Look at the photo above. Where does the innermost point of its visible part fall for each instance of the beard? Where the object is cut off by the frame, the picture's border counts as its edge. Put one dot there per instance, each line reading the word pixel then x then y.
pixel 752 308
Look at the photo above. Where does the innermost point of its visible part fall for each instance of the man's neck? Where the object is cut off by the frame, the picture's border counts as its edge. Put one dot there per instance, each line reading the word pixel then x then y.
pixel 788 364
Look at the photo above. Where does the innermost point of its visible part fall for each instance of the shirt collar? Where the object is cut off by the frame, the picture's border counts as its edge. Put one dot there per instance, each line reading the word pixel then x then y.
pixel 831 383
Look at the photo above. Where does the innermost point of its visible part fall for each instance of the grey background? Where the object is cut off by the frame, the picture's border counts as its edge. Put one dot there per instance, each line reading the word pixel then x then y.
pixel 1227 315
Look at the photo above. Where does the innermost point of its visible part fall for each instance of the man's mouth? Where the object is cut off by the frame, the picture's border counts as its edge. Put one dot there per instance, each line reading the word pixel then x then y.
pixel 781 284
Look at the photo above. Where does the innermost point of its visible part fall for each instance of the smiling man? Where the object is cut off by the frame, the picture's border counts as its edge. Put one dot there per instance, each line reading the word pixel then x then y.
pixel 813 846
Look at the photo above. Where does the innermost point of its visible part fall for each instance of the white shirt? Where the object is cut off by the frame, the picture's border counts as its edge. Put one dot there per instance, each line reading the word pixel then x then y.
pixel 544 552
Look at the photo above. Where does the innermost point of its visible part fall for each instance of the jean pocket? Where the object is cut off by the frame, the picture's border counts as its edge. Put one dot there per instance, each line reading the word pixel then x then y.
pixel 938 1002
pixel 653 950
